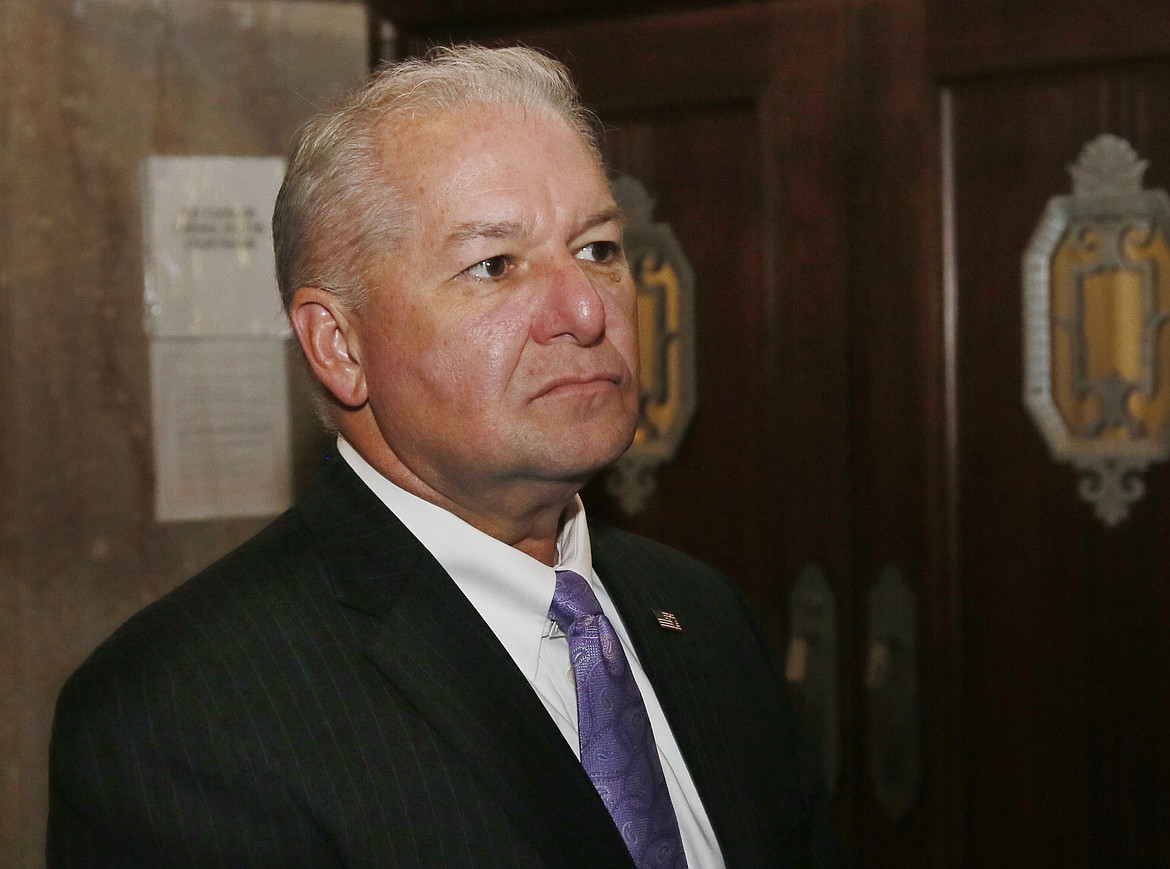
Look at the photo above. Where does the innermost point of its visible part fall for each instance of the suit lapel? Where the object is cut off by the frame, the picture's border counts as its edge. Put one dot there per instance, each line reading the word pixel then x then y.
pixel 701 703
pixel 433 646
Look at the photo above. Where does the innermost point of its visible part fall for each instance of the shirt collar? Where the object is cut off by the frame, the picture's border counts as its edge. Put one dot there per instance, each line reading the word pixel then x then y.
pixel 510 590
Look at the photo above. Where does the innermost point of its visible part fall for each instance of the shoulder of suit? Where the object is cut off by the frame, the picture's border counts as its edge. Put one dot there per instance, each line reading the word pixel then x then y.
pixel 266 566
pixel 231 613
pixel 258 590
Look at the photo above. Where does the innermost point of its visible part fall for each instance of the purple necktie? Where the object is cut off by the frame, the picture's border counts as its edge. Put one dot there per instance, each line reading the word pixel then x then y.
pixel 617 745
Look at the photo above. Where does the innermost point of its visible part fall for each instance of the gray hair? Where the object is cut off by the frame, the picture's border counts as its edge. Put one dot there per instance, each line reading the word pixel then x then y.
pixel 339 211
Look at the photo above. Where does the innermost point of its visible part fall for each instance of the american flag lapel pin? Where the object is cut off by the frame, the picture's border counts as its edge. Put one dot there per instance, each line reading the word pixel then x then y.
pixel 669 621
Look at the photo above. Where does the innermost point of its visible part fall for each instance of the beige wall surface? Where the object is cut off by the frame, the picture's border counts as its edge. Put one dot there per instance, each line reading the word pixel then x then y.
pixel 87 89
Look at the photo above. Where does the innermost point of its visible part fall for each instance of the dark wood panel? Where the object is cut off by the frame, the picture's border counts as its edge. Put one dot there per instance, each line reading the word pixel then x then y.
pixel 1063 713
pixel 648 63
pixel 432 16
pixel 973 36
pixel 894 380
pixel 715 213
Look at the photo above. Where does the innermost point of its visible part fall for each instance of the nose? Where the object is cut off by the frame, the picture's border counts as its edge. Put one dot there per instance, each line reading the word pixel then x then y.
pixel 572 308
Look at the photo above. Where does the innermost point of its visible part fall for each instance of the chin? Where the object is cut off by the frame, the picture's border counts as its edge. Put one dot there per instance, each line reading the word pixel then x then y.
pixel 577 449
pixel 598 454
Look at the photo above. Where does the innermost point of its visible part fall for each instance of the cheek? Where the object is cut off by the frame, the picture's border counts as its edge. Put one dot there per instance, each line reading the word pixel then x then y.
pixel 622 323
pixel 480 353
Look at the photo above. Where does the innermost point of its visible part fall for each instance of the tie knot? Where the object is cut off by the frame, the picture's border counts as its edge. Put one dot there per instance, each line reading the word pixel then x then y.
pixel 573 600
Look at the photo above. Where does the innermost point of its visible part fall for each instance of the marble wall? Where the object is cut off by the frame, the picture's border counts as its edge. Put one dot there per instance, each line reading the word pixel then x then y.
pixel 87 89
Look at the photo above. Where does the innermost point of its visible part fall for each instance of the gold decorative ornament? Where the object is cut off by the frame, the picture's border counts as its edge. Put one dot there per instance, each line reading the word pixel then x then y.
pixel 666 339
pixel 1096 345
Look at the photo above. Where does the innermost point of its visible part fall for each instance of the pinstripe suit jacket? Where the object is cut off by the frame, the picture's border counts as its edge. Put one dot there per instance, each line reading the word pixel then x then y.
pixel 325 696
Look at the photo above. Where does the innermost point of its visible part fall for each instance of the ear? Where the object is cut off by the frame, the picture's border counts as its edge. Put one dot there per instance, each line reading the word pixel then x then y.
pixel 330 341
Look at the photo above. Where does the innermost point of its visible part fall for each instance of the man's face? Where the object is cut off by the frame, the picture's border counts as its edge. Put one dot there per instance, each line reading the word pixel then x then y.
pixel 499 341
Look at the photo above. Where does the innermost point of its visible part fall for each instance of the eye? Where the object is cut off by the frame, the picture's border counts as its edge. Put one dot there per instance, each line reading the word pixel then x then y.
pixel 490 269
pixel 600 251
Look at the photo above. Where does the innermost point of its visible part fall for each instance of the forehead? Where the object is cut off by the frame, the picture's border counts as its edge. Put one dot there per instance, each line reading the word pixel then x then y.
pixel 482 152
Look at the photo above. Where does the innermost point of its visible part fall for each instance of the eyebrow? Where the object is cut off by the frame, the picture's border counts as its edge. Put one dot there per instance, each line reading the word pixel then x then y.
pixel 475 230
pixel 609 215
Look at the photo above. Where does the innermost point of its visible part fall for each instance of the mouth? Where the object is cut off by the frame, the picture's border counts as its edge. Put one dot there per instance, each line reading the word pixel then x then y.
pixel 572 383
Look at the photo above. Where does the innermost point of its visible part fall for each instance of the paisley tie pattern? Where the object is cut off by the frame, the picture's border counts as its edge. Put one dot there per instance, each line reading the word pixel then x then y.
pixel 617 744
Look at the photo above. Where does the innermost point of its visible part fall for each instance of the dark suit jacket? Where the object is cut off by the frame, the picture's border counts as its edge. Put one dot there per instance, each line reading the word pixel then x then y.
pixel 325 696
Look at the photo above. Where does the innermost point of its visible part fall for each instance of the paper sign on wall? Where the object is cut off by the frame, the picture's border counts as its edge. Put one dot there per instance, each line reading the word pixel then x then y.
pixel 217 334
pixel 221 429
pixel 208 238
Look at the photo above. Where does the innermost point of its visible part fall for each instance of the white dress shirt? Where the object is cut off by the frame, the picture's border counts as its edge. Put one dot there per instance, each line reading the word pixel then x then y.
pixel 512 592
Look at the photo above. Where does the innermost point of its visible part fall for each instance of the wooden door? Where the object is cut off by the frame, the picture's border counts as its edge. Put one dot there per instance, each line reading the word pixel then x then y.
pixel 1062 623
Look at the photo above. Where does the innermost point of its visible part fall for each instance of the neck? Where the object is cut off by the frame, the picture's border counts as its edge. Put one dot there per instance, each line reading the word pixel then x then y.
pixel 525 523
pixel 525 514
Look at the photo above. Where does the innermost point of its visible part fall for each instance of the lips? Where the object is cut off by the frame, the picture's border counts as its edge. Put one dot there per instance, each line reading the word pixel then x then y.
pixel 572 382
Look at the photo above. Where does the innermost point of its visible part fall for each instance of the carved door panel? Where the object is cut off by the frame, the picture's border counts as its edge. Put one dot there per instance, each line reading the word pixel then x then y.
pixel 1062 622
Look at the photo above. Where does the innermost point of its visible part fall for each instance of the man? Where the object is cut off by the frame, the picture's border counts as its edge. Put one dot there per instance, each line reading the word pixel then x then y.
pixel 433 660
